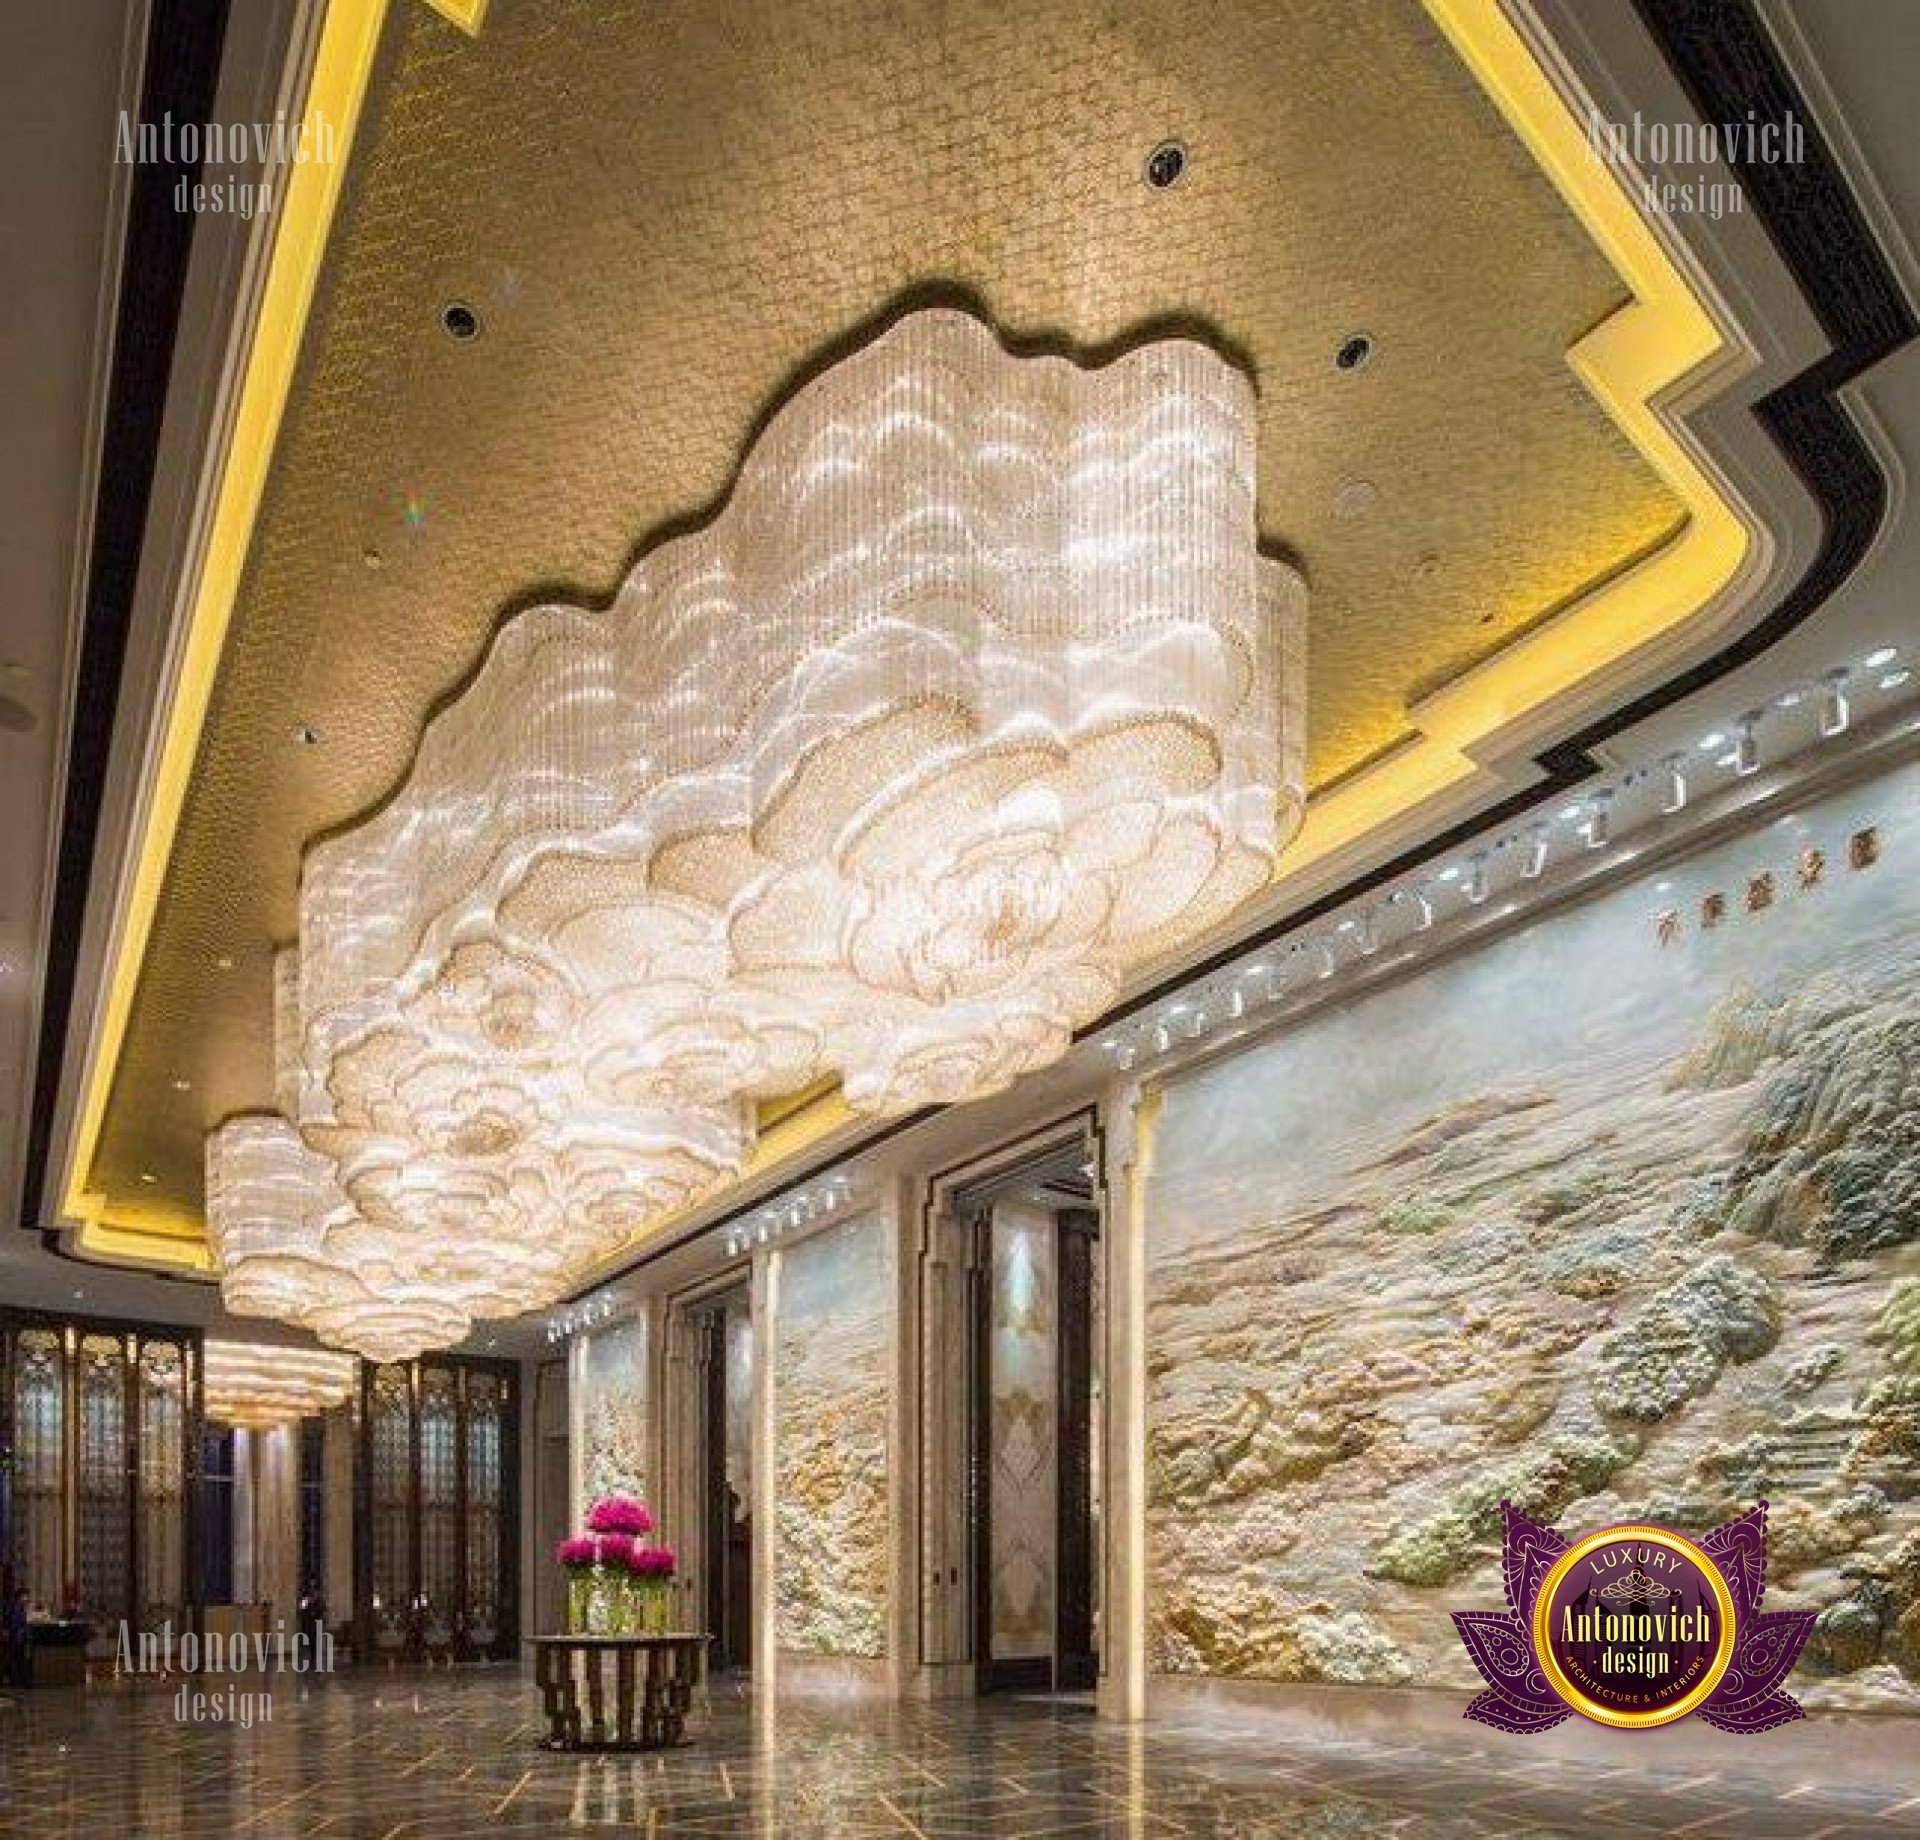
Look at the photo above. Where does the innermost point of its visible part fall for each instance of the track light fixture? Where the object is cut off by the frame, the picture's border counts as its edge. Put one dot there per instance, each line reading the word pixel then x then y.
pixel 1599 819
pixel 1675 797
pixel 1478 886
pixel 1836 711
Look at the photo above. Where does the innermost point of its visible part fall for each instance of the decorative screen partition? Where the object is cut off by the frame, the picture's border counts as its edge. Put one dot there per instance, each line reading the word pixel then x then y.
pixel 99 1449
pixel 437 1563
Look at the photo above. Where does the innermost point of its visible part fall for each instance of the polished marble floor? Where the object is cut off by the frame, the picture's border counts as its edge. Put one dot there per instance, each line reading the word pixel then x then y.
pixel 431 1757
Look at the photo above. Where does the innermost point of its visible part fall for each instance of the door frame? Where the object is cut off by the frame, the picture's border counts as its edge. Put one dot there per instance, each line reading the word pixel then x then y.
pixel 950 1524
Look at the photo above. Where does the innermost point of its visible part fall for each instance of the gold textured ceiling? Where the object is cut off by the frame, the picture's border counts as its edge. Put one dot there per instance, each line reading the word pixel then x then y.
pixel 665 215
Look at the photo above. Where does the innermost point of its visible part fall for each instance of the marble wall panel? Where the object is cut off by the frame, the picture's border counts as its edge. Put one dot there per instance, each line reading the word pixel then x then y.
pixel 833 1386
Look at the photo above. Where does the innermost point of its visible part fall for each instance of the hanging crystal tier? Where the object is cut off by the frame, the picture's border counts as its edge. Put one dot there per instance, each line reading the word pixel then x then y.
pixel 975 699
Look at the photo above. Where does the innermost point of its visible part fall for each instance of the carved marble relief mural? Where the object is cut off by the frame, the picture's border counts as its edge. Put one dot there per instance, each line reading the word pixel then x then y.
pixel 1615 1217
pixel 613 1412
pixel 1022 1431
pixel 833 1401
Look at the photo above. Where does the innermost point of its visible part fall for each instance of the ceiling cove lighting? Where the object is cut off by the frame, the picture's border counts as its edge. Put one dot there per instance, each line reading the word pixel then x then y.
pixel 251 1384
pixel 1022 714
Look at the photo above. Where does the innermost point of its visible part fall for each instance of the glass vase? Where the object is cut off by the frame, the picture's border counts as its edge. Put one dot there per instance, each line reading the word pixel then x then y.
pixel 655 1598
pixel 579 1592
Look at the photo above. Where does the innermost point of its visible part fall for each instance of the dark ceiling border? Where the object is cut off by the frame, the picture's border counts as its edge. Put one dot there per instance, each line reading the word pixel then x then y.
pixel 1723 57
pixel 180 74
pixel 1726 61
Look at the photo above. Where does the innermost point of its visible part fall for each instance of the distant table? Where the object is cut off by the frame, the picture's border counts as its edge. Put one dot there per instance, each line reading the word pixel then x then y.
pixel 57 1652
pixel 652 1687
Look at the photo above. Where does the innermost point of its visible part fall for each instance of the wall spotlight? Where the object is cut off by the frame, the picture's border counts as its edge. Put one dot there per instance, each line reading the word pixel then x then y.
pixel 1835 710
pixel 1422 906
pixel 1599 828
pixel 1369 934
pixel 1746 749
pixel 1534 864
pixel 1329 956
pixel 1477 884
pixel 1675 797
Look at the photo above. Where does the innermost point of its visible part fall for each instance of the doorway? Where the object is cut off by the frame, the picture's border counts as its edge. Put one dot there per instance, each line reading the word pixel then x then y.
pixel 1034 1413
pixel 723 1328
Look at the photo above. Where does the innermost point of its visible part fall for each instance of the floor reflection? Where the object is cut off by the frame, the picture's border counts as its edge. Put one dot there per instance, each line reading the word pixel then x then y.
pixel 432 1757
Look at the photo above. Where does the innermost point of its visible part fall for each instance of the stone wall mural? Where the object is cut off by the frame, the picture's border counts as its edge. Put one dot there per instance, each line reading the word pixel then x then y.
pixel 1023 1412
pixel 613 1412
pixel 1615 1217
pixel 833 1403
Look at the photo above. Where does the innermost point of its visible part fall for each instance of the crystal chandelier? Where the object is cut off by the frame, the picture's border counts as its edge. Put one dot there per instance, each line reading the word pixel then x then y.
pixel 250 1384
pixel 975 699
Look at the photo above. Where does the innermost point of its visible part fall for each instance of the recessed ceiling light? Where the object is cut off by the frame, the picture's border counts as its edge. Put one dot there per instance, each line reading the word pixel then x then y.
pixel 1451 873
pixel 1715 740
pixel 1894 679
pixel 1355 499
pixel 224 962
pixel 1729 759
pixel 306 735
pixel 459 321
pixel 1165 166
pixel 183 1086
pixel 1789 699
pixel 1885 655
pixel 1355 350
pixel 147 1175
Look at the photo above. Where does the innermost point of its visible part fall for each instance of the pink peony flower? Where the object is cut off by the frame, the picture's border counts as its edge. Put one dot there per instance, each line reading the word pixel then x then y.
pixel 615 1548
pixel 578 1550
pixel 619 1514
pixel 651 1562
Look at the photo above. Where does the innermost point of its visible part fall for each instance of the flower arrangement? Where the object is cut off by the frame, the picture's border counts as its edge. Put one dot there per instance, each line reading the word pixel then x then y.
pixel 615 1585
pixel 619 1514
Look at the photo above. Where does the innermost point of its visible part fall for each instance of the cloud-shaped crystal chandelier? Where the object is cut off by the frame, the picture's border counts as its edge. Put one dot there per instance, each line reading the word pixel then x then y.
pixel 249 1383
pixel 976 698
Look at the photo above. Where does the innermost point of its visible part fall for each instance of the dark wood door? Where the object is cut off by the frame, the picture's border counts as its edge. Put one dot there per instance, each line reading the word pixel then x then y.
pixel 436 1562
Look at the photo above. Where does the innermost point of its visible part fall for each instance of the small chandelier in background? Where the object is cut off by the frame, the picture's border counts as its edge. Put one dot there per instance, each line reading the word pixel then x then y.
pixel 975 699
pixel 251 1384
